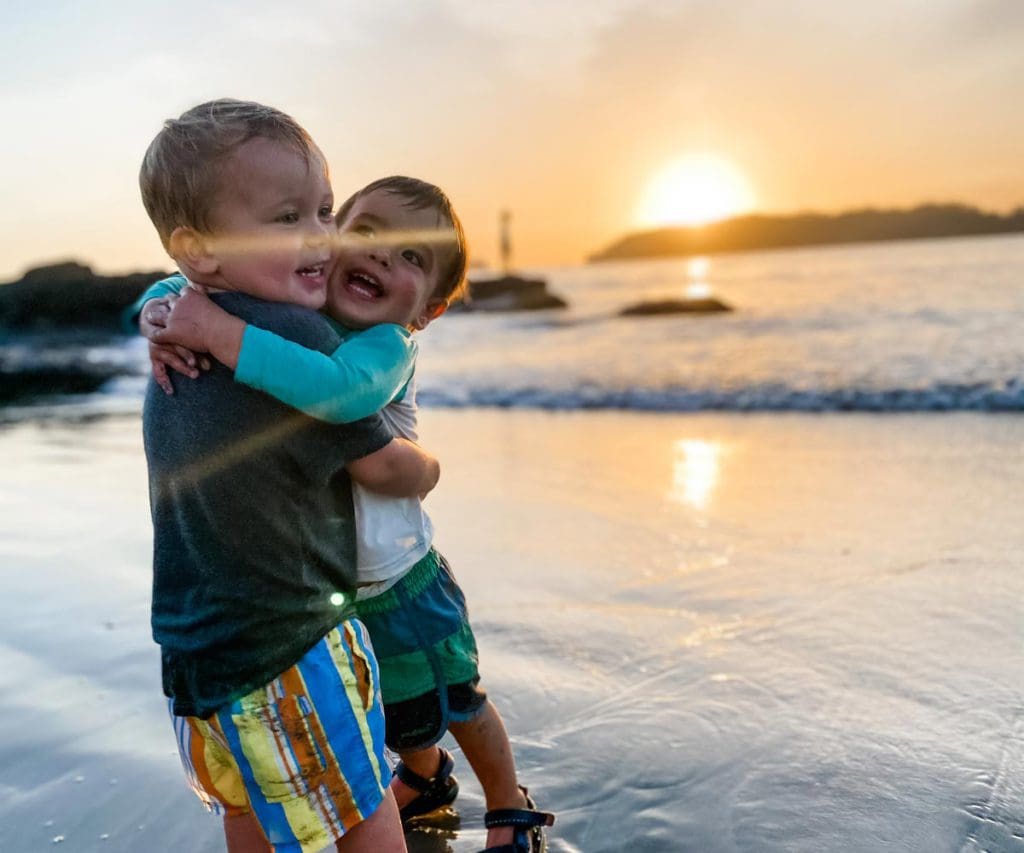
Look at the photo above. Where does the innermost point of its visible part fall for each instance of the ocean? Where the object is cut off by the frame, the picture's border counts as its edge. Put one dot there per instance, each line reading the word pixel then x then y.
pixel 912 326
pixel 930 325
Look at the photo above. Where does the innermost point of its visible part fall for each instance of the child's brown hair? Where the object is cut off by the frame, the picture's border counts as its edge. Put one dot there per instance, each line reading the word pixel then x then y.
pixel 421 195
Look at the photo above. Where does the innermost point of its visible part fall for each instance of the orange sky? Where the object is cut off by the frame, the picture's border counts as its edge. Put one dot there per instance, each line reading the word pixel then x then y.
pixel 562 112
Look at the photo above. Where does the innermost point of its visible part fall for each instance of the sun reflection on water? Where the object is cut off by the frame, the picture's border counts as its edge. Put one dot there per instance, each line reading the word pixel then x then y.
pixel 697 269
pixel 695 471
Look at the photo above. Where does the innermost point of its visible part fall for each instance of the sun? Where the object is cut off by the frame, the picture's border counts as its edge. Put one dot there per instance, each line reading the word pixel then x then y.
pixel 695 189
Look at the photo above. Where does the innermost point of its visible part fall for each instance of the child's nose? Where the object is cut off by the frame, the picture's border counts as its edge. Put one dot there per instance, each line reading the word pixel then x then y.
pixel 319 236
pixel 381 255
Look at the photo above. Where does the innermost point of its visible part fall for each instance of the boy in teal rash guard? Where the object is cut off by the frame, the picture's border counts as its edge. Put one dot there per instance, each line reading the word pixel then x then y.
pixel 401 258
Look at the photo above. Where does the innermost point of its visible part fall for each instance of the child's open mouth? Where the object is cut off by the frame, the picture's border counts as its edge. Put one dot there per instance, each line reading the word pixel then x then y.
pixel 364 286
pixel 314 274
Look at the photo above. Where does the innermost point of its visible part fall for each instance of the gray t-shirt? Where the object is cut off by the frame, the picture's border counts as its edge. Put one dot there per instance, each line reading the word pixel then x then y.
pixel 254 541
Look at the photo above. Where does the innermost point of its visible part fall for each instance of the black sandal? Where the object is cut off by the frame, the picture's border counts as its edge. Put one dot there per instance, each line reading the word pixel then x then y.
pixel 435 793
pixel 528 834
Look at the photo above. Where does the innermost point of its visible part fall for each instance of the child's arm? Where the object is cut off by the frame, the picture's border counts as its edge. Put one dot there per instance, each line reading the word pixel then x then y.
pixel 400 469
pixel 359 378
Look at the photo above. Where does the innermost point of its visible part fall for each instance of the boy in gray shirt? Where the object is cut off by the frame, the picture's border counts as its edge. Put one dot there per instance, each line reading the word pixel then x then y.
pixel 272 682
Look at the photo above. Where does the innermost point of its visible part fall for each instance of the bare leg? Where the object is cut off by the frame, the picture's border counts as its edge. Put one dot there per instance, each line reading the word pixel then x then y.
pixel 381 832
pixel 243 835
pixel 485 744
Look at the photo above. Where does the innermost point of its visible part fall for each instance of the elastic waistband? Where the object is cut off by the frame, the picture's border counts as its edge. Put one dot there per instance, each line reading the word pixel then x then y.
pixel 417 579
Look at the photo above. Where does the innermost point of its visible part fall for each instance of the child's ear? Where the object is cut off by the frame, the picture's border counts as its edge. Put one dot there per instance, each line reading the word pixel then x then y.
pixel 190 249
pixel 431 311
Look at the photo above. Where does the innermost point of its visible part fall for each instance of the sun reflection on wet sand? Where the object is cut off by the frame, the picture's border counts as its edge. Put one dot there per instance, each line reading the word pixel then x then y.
pixel 695 471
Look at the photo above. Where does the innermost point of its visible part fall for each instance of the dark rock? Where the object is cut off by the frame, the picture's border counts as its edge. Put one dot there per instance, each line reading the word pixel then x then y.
pixel 708 305
pixel 44 381
pixel 509 293
pixel 70 295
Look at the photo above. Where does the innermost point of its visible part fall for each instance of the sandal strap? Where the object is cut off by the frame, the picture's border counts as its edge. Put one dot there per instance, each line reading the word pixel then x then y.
pixel 419 783
pixel 526 818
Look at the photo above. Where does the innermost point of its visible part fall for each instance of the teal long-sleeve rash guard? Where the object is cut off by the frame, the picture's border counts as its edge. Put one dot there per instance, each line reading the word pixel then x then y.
pixel 371 368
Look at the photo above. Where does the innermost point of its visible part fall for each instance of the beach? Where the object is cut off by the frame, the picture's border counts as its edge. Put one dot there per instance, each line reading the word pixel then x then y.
pixel 715 322
pixel 706 632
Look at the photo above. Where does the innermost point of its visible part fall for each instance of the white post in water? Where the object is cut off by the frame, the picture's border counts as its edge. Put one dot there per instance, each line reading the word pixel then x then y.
pixel 506 242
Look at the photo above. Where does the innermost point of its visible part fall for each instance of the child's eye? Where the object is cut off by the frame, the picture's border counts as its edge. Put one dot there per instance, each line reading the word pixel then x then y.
pixel 326 213
pixel 413 257
pixel 289 218
pixel 363 230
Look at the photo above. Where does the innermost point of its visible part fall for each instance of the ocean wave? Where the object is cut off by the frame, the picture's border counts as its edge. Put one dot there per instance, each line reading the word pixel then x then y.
pixel 124 396
pixel 771 397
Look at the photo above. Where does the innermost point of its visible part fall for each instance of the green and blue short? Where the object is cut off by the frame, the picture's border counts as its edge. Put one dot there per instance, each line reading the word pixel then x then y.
pixel 426 653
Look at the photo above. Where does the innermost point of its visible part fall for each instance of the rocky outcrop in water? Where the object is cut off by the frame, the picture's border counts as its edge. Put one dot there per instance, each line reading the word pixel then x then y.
pixel 70 295
pixel 708 305
pixel 509 293
pixel 60 330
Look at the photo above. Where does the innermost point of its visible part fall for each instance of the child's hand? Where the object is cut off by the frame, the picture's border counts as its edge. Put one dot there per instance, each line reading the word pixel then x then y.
pixel 198 324
pixel 154 314
pixel 191 317
pixel 161 356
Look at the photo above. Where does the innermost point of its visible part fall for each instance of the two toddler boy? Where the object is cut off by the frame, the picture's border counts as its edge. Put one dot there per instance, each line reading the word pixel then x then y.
pixel 268 233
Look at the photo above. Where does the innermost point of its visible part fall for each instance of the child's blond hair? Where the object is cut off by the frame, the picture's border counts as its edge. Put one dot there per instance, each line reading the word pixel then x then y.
pixel 179 177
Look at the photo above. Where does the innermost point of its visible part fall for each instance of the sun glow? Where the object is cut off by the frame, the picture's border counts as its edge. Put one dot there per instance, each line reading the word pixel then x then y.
pixel 695 190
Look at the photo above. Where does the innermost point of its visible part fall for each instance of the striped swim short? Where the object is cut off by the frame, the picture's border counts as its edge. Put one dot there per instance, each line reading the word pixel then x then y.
pixel 304 754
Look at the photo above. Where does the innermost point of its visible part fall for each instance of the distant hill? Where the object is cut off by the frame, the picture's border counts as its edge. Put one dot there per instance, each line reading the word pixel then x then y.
pixel 761 231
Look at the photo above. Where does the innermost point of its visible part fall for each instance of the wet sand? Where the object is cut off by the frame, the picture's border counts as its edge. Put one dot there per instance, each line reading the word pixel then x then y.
pixel 777 632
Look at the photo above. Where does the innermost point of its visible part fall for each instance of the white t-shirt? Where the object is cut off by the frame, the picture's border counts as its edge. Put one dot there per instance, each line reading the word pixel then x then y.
pixel 392 534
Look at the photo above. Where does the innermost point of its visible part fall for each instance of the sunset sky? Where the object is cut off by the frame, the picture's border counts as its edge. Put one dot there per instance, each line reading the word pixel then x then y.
pixel 576 116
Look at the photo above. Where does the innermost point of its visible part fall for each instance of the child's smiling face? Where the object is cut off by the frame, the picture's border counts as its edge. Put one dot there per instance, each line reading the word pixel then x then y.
pixel 272 223
pixel 388 263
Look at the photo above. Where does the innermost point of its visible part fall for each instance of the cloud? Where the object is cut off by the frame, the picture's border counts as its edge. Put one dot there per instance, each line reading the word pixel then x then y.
pixel 562 110
pixel 993 19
